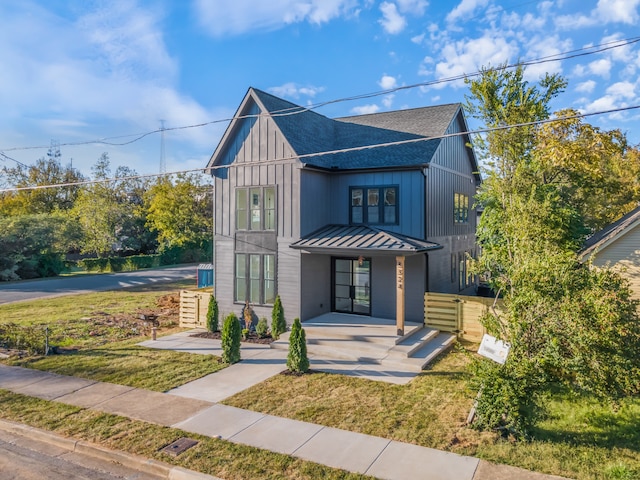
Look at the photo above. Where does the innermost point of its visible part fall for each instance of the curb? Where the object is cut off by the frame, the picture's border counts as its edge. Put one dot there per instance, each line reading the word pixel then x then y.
pixel 136 462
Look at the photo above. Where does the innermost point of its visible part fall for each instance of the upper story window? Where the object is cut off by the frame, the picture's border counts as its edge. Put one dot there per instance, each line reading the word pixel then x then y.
pixel 460 208
pixel 374 205
pixel 256 208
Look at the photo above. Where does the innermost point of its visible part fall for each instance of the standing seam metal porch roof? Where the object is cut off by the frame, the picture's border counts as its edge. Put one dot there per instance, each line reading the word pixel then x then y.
pixel 361 239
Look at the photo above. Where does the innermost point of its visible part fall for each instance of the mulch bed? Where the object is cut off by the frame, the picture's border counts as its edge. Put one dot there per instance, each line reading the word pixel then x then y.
pixel 252 338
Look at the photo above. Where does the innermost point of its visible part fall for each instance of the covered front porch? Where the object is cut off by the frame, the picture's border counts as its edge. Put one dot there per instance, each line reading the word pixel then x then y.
pixel 358 269
pixel 370 346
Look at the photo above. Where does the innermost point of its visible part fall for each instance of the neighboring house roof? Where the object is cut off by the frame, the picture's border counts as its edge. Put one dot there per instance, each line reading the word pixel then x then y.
pixel 309 133
pixel 610 233
pixel 361 239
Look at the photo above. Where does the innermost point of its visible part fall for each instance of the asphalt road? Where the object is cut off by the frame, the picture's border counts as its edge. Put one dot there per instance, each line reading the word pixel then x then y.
pixel 26 459
pixel 55 287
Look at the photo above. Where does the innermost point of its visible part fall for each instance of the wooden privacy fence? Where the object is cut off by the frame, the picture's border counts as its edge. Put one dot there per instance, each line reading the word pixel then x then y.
pixel 458 314
pixel 193 308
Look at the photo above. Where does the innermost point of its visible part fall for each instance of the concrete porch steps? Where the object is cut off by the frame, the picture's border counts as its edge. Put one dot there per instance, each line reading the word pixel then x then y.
pixel 426 354
pixel 373 341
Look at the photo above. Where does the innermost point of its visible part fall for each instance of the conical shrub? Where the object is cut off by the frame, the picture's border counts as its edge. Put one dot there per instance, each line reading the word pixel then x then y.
pixel 297 360
pixel 278 322
pixel 212 314
pixel 231 335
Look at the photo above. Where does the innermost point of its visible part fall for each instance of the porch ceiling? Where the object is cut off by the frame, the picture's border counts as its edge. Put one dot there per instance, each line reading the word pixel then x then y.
pixel 361 240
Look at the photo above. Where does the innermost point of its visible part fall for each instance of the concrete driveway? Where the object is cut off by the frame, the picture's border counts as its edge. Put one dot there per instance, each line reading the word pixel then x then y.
pixel 58 286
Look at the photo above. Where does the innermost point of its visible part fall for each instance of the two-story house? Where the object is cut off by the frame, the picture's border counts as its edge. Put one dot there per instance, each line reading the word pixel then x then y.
pixel 357 215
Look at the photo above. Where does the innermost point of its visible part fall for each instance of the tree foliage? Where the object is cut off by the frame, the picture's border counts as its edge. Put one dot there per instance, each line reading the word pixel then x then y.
pixel 111 212
pixel 31 245
pixel 45 171
pixel 565 322
pixel 180 212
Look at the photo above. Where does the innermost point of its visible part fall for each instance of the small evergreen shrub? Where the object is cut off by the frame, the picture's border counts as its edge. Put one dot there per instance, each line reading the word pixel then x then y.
pixel 278 322
pixel 212 314
pixel 297 360
pixel 231 339
pixel 262 327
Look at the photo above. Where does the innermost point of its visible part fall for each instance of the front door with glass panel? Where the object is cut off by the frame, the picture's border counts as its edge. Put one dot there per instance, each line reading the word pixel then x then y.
pixel 352 285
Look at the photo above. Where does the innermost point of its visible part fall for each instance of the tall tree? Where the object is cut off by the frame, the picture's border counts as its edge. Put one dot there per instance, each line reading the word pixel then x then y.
pixel 180 212
pixel 561 318
pixel 46 171
pixel 110 210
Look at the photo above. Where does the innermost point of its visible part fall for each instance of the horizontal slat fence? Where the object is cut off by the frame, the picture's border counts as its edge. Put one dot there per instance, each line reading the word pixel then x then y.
pixel 458 314
pixel 193 308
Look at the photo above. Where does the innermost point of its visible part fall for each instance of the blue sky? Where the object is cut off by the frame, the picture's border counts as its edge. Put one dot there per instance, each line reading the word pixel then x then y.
pixel 78 71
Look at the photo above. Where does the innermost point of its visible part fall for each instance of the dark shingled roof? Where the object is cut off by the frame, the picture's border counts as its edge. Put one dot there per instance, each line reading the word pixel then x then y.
pixel 309 132
pixel 611 231
pixel 361 239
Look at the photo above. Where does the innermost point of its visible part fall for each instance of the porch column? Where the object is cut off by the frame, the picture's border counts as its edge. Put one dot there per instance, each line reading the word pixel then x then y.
pixel 400 295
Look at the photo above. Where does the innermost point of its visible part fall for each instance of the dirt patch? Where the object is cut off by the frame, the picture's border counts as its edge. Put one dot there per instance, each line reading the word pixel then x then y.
pixel 251 338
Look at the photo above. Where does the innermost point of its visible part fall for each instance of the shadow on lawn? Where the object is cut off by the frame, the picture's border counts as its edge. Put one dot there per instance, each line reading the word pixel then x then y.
pixel 594 424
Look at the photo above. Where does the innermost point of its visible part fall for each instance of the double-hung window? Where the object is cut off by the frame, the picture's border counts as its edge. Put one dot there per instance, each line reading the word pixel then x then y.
pixel 256 208
pixel 374 205
pixel 255 278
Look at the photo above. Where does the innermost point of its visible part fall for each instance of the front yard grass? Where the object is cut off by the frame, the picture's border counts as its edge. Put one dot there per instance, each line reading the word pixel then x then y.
pixel 99 333
pixel 212 456
pixel 579 438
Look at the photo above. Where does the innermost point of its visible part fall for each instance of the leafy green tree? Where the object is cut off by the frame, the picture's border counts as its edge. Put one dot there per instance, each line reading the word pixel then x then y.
pixel 297 359
pixel 46 171
pixel 32 245
pixel 181 212
pixel 565 322
pixel 597 169
pixel 278 322
pixel 110 211
pixel 212 314
pixel 230 338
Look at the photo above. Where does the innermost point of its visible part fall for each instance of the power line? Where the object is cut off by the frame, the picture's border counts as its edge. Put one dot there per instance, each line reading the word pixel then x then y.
pixel 590 50
pixel 330 152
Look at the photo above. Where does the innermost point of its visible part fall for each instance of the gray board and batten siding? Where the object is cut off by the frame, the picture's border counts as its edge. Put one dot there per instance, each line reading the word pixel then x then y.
pixel 271 142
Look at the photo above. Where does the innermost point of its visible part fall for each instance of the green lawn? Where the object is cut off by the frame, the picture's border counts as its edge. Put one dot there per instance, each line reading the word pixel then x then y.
pixel 102 329
pixel 212 456
pixel 579 438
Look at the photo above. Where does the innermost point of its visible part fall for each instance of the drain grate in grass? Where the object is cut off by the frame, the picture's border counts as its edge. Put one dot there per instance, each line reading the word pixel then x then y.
pixel 179 446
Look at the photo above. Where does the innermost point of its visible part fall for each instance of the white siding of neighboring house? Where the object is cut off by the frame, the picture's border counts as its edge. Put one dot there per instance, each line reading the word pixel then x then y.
pixel 623 255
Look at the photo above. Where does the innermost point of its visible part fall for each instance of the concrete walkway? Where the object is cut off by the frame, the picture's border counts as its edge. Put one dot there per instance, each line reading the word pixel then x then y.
pixel 192 408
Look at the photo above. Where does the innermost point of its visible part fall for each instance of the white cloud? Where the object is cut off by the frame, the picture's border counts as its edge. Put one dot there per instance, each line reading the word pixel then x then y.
pixel 606 11
pixel 622 90
pixel 103 73
pixel 586 87
pixel 418 39
pixel 617 11
pixel 464 57
pixel 293 90
pixel 387 100
pixel 365 109
pixel 600 67
pixel 223 17
pixel 545 47
pixel 392 22
pixel 465 9
pixel 387 82
pixel 415 7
